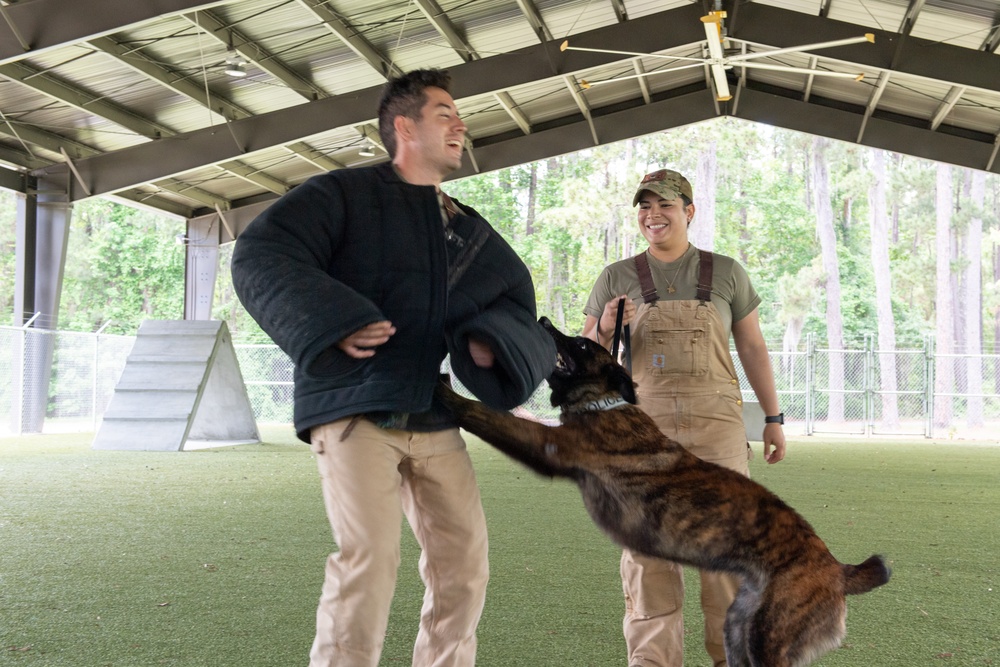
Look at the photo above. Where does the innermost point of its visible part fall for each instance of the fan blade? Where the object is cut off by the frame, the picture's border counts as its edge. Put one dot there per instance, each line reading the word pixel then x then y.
pixel 587 84
pixel 721 83
pixel 805 47
pixel 566 47
pixel 802 70
pixel 713 32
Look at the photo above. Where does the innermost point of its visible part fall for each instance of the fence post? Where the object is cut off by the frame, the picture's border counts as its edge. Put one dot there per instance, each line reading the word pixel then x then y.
pixel 929 352
pixel 94 380
pixel 810 380
pixel 869 384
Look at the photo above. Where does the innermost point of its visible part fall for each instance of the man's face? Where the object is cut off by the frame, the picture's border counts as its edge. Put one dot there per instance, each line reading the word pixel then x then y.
pixel 439 135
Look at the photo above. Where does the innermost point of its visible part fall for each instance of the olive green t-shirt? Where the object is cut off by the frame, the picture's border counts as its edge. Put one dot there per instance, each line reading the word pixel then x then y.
pixel 732 292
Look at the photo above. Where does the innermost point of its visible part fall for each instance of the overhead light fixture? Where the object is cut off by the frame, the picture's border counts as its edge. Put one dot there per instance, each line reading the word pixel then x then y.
pixel 235 65
pixel 368 150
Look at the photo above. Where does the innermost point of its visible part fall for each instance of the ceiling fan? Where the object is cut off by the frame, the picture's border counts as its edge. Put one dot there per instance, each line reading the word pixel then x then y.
pixel 718 61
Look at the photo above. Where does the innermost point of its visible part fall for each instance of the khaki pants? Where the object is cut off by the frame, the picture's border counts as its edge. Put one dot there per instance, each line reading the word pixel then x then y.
pixel 369 481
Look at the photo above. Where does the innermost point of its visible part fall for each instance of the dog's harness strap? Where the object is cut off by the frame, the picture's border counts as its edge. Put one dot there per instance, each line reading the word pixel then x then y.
pixel 704 275
pixel 645 278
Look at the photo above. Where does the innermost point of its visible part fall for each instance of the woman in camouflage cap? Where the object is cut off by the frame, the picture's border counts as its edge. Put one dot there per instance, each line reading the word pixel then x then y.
pixel 689 304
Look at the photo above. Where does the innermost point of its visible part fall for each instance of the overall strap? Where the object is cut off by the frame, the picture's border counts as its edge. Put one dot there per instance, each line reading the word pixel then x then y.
pixel 704 275
pixel 645 278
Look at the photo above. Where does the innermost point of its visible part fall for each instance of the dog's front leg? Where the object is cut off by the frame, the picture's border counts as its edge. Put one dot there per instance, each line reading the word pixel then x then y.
pixel 524 440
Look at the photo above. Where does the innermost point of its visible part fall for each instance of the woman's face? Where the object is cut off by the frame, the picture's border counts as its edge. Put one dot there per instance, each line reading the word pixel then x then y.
pixel 664 222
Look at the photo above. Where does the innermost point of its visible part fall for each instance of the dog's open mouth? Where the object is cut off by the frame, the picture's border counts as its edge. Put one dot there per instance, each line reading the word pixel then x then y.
pixel 564 364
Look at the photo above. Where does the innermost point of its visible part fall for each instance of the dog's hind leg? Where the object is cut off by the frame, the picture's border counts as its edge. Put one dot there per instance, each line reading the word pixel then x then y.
pixel 795 625
pixel 738 618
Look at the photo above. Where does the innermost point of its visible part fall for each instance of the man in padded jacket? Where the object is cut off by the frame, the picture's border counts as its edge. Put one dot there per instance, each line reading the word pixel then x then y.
pixel 367 278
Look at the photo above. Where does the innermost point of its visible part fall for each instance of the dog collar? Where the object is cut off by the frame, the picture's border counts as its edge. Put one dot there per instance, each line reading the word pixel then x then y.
pixel 602 404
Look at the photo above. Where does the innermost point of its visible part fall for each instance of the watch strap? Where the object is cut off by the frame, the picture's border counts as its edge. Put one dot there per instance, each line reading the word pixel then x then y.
pixel 775 419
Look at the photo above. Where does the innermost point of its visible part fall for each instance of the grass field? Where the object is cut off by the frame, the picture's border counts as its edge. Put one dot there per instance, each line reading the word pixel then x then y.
pixel 214 557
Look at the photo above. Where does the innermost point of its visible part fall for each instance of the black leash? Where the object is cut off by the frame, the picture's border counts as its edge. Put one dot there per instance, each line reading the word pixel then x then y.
pixel 626 341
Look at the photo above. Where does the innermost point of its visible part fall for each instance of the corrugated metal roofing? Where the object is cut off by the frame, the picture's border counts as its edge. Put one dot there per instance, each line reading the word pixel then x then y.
pixel 145 110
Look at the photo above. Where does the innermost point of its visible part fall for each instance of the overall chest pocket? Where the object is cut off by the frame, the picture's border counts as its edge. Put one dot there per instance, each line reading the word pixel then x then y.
pixel 677 352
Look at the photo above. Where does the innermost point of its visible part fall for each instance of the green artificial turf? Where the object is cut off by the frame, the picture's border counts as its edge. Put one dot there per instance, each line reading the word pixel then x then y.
pixel 215 557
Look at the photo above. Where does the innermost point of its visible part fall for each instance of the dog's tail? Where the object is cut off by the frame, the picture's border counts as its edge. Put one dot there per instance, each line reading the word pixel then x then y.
pixel 866 576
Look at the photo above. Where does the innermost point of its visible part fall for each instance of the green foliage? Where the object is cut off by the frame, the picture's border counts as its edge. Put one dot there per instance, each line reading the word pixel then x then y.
pixel 122 266
pixel 8 255
pixel 568 217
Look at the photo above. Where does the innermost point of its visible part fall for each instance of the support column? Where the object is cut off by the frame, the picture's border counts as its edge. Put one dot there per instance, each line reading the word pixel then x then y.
pixel 201 245
pixel 204 236
pixel 43 221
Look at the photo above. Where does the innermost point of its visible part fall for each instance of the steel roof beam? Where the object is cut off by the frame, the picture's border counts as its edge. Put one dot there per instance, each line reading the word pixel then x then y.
pixel 46 24
pixel 574 89
pixel 175 82
pixel 255 176
pixel 352 38
pixel 764 24
pixel 50 141
pixel 439 19
pixel 656 32
pixel 57 89
pixel 949 102
pixel 262 59
pixel 313 156
pixel 992 40
pixel 534 17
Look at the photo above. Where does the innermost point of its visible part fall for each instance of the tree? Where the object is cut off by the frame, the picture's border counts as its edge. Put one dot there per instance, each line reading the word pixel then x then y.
pixel 944 370
pixel 828 246
pixel 883 290
pixel 973 297
pixel 124 266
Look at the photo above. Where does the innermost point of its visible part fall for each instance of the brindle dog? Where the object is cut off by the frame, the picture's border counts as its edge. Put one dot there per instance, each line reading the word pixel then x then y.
pixel 651 495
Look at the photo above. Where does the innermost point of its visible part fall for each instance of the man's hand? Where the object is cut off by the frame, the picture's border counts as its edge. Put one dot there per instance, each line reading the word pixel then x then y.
pixel 481 352
pixel 361 343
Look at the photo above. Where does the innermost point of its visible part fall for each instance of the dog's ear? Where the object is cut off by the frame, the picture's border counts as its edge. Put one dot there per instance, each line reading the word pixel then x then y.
pixel 622 381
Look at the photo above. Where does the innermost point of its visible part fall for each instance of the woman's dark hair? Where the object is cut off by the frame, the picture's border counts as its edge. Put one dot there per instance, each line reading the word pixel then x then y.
pixel 405 96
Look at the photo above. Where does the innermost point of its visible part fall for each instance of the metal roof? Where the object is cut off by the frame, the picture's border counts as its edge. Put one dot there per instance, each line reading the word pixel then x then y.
pixel 130 99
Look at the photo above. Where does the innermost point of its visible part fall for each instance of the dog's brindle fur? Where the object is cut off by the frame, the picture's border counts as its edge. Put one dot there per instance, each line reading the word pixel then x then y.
pixel 651 495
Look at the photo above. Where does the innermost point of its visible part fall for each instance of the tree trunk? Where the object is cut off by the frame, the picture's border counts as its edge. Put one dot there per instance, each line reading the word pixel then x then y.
pixel 529 226
pixel 974 298
pixel 831 266
pixel 883 292
pixel 944 370
pixel 702 231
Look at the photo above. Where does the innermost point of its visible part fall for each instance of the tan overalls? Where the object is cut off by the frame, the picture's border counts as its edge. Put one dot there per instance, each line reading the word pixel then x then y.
pixel 688 385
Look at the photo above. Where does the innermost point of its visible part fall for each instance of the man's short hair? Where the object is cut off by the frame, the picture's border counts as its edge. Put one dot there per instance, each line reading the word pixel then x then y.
pixel 406 96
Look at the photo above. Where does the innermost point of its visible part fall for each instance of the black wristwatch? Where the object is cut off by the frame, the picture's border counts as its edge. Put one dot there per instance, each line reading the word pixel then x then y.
pixel 776 419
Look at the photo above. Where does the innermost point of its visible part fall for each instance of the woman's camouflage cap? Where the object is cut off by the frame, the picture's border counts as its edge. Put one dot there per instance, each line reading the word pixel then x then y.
pixel 667 183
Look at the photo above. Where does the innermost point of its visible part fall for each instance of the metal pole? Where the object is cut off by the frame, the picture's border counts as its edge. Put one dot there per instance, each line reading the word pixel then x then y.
pixel 94 379
pixel 810 380
pixel 929 352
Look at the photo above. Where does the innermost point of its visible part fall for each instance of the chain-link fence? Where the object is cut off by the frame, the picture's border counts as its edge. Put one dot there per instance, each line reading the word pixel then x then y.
pixel 63 381
pixel 57 381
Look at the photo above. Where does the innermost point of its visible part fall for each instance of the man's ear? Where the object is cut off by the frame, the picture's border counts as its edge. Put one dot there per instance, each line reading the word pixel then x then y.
pixel 621 380
pixel 403 127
